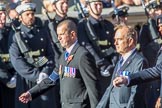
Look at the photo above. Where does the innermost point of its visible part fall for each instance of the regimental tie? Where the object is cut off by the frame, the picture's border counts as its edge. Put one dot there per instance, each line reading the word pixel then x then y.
pixel 66 55
pixel 120 63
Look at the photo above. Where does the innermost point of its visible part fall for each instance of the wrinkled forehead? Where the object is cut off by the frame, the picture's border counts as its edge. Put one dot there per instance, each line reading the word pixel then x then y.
pixel 62 29
pixel 121 32
pixel 118 34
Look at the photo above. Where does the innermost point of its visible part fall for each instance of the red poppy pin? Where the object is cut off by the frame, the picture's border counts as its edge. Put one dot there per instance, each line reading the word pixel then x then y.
pixel 70 58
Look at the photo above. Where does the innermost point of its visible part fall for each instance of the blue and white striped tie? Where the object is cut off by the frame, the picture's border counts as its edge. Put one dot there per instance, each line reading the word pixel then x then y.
pixel 66 55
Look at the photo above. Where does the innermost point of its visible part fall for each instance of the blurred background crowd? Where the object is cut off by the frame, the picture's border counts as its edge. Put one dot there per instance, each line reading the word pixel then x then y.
pixel 21 70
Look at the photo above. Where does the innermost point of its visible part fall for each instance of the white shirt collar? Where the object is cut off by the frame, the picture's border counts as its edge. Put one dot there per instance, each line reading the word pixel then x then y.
pixel 71 47
pixel 125 57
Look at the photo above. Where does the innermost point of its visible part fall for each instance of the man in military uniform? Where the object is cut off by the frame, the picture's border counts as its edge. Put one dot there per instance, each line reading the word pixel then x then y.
pixel 81 7
pixel 61 8
pixel 149 34
pixel 77 71
pixel 120 16
pixel 96 34
pixel 159 59
pixel 13 14
pixel 7 72
pixel 31 56
pixel 149 46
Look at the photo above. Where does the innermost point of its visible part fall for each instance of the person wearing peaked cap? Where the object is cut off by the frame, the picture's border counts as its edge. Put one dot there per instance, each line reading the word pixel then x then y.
pixel 120 15
pixel 159 58
pixel 150 46
pixel 154 8
pixel 12 5
pixel 7 72
pixel 60 8
pixel 106 3
pixel 12 13
pixel 25 7
pixel 122 11
pixel 153 4
pixel 38 62
pixel 96 34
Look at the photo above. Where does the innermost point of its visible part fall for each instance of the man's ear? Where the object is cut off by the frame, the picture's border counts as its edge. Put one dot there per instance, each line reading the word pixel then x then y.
pixel 20 17
pixel 73 34
pixel 54 7
pixel 131 41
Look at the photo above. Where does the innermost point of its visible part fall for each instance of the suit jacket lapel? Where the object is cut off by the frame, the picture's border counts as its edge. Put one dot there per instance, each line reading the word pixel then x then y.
pixel 115 72
pixel 124 66
pixel 128 61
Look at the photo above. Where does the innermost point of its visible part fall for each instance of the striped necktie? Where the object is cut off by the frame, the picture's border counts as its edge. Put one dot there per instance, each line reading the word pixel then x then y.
pixel 120 63
pixel 66 55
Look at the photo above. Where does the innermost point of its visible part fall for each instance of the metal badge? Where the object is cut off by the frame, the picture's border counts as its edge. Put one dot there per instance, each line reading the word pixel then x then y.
pixel 124 73
pixel 41 39
pixel 70 72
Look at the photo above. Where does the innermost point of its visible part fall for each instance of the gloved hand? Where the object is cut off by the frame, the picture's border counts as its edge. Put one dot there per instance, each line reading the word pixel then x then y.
pixel 106 70
pixel 104 67
pixel 12 82
pixel 42 76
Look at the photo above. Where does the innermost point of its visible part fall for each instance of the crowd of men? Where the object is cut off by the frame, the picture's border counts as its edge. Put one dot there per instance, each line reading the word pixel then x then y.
pixel 67 62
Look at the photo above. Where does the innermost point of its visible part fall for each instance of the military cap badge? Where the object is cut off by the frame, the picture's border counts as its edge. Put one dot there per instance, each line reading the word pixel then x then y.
pixel 25 7
pixel 2 7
